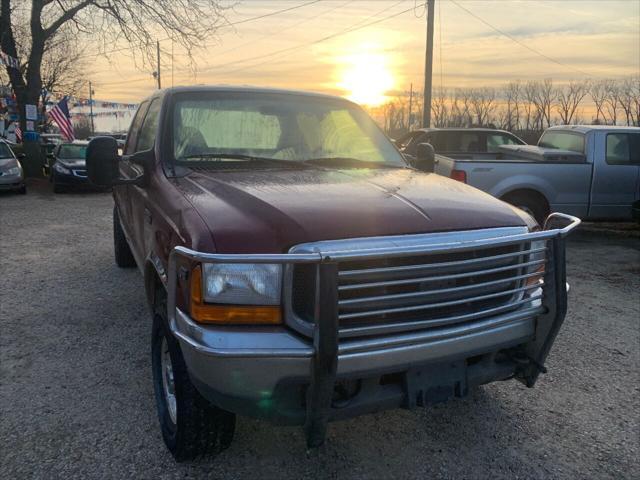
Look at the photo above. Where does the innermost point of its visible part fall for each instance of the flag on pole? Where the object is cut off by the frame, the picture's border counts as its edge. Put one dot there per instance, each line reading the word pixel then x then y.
pixel 60 115
pixel 18 133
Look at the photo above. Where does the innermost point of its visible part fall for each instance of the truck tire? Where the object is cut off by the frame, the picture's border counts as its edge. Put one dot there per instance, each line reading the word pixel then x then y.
pixel 121 249
pixel 191 426
pixel 534 204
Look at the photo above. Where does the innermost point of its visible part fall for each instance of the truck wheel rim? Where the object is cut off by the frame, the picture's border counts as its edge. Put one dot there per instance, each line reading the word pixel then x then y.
pixel 168 386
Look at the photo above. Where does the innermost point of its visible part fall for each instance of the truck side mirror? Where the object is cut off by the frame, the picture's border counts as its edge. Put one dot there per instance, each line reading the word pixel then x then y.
pixel 102 161
pixel 425 157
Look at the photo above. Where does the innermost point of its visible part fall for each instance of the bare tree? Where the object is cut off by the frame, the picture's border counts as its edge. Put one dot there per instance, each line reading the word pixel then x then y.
pixel 630 100
pixel 532 114
pixel 136 22
pixel 598 93
pixel 543 100
pixel 439 108
pixel 461 115
pixel 612 100
pixel 513 95
pixel 483 104
pixel 569 98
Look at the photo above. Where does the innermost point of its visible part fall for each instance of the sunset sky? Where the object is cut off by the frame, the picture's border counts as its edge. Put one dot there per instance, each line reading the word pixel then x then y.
pixel 564 40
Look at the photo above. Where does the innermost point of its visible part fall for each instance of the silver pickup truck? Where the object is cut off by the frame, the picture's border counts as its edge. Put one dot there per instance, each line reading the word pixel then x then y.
pixel 592 172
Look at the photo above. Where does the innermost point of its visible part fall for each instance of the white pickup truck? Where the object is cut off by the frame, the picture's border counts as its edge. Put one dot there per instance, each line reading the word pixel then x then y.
pixel 592 172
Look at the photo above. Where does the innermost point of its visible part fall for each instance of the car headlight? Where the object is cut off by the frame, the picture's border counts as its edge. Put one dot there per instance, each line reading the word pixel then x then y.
pixel 13 171
pixel 242 284
pixel 61 168
pixel 236 293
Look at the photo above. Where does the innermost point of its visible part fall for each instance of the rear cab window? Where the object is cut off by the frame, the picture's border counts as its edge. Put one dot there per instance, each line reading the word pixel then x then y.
pixel 623 149
pixel 561 140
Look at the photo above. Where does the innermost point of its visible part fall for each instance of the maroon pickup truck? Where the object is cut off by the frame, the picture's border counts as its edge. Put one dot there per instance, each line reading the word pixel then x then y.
pixel 299 269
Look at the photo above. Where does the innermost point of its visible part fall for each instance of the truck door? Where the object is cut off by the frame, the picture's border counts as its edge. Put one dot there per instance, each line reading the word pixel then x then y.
pixel 140 209
pixel 128 171
pixel 616 173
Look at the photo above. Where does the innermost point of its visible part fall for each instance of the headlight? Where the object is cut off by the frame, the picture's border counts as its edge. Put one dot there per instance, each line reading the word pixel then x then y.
pixel 242 284
pixel 61 168
pixel 13 171
pixel 236 294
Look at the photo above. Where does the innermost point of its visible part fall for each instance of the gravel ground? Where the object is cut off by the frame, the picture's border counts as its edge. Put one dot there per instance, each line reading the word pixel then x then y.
pixel 76 399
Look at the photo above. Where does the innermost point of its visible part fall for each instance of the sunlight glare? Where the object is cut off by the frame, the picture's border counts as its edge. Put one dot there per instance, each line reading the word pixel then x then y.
pixel 366 77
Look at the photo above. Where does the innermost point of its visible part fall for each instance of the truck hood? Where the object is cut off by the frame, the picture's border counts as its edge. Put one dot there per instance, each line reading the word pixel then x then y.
pixel 268 211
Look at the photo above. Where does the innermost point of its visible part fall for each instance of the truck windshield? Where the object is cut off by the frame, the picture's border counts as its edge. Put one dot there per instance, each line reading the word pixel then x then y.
pixel 560 140
pixel 225 126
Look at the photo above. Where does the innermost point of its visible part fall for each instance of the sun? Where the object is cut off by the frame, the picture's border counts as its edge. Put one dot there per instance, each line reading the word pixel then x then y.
pixel 367 78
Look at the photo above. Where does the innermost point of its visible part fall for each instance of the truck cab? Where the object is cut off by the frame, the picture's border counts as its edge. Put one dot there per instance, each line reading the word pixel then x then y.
pixel 299 269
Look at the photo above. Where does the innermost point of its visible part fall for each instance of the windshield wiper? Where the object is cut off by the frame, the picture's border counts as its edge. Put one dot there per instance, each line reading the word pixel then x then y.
pixel 217 157
pixel 351 162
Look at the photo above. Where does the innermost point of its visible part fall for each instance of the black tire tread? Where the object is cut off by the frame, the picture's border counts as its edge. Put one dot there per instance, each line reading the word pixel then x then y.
pixel 202 428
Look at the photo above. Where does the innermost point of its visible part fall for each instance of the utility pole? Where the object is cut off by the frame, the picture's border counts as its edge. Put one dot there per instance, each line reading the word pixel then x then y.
pixel 91 107
pixel 410 106
pixel 158 55
pixel 428 66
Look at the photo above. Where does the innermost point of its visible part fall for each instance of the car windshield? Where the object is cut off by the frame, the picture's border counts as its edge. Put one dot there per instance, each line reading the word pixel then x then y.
pixel 5 151
pixel 219 127
pixel 72 151
pixel 559 140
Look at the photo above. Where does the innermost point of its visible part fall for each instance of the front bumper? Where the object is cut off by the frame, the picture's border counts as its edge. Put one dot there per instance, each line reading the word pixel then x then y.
pixel 276 373
pixel 11 182
pixel 263 372
pixel 77 178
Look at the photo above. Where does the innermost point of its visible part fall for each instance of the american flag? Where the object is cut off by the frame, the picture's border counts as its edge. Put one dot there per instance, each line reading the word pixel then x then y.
pixel 60 114
pixel 18 133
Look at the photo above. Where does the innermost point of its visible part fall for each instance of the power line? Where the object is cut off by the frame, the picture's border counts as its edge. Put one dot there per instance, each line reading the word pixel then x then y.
pixel 440 40
pixel 524 45
pixel 231 24
pixel 313 17
pixel 355 27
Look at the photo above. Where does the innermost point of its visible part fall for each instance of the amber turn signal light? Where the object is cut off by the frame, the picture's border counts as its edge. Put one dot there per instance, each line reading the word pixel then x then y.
pixel 228 314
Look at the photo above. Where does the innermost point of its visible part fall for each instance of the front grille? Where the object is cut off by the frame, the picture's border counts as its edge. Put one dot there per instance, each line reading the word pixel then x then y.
pixel 425 291
pixel 436 289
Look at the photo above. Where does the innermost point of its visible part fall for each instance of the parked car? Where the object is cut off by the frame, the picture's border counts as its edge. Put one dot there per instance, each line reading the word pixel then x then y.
pixel 11 172
pixel 592 172
pixel 463 143
pixel 66 166
pixel 300 270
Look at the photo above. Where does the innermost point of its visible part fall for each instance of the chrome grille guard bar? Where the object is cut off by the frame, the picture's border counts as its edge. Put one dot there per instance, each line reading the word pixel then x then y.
pixel 325 337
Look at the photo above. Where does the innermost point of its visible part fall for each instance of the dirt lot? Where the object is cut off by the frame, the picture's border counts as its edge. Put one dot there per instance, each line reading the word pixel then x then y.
pixel 76 399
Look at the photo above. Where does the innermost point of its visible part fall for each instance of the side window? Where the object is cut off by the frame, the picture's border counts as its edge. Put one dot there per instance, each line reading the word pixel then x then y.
pixel 134 130
pixel 438 143
pixel 494 140
pixel 466 142
pixel 623 148
pixel 147 134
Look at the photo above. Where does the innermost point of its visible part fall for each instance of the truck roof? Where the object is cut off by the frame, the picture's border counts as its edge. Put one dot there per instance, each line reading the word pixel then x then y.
pixel 243 89
pixel 463 129
pixel 589 128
